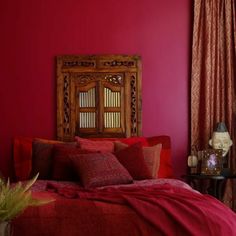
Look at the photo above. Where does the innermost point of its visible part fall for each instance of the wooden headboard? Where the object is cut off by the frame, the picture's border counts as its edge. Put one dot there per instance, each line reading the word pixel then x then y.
pixel 98 96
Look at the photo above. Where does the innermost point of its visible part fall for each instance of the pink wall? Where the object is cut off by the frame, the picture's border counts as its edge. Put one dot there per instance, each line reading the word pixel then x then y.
pixel 34 32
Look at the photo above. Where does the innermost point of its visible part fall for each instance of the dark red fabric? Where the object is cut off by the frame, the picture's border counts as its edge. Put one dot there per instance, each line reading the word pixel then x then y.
pixel 74 217
pixel 170 210
pixel 165 168
pixel 133 140
pixel 129 140
pixel 133 160
pixel 42 159
pixel 22 155
pixel 24 166
pixel 62 167
pixel 100 169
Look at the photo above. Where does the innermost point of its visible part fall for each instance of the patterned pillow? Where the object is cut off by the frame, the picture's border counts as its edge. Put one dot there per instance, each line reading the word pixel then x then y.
pixel 100 169
pixel 151 156
pixel 62 166
pixel 132 159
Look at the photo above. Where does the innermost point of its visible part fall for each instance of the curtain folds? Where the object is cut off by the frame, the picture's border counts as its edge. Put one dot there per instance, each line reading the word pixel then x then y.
pixel 213 76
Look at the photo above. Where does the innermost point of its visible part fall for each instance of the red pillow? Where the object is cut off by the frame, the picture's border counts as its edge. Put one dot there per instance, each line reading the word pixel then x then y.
pixel 100 169
pixel 151 156
pixel 133 160
pixel 165 169
pixel 101 146
pixel 22 154
pixel 62 168
pixel 23 151
pixel 133 140
pixel 42 157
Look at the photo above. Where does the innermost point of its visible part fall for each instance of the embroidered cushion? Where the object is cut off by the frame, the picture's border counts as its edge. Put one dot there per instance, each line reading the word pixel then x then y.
pixel 100 169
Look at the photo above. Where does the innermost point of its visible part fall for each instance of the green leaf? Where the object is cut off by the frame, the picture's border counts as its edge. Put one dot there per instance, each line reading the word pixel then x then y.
pixel 14 199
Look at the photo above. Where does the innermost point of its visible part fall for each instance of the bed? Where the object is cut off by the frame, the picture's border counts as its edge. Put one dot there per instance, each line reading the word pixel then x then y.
pixel 106 178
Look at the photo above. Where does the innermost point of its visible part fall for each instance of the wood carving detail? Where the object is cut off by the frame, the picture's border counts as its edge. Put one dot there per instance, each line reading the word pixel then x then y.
pixel 115 79
pixel 85 78
pixel 79 64
pixel 116 63
pixel 133 106
pixel 66 105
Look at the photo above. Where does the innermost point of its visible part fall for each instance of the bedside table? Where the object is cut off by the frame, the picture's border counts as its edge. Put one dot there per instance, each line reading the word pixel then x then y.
pixel 208 184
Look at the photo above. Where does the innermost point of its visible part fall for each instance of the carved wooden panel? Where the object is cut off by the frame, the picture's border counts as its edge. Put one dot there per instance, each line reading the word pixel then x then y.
pixel 98 96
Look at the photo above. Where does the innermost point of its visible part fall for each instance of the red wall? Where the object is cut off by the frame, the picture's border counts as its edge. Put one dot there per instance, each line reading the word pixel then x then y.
pixel 34 32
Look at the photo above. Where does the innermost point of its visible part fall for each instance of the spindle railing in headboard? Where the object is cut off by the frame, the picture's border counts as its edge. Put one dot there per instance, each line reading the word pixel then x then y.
pixel 98 96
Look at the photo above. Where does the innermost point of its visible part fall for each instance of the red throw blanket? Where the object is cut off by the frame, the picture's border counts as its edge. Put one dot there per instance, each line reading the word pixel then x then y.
pixel 171 210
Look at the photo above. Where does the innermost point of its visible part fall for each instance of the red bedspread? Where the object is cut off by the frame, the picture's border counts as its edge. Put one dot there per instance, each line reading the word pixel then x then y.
pixel 137 210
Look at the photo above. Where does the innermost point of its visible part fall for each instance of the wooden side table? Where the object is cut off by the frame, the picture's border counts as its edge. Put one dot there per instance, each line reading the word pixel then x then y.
pixel 207 184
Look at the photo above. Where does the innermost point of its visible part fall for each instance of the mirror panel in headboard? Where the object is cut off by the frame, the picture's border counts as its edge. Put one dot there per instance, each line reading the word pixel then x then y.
pixel 98 96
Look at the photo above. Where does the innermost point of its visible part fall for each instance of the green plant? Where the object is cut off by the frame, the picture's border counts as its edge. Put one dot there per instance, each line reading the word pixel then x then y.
pixel 14 199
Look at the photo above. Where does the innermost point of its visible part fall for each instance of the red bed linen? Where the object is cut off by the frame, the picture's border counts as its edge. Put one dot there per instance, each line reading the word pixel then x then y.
pixel 73 217
pixel 166 207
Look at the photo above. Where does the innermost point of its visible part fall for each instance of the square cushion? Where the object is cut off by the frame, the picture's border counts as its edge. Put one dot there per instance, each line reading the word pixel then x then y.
pixel 42 157
pixel 100 169
pixel 92 145
pixel 151 156
pixel 132 159
pixel 166 168
pixel 62 167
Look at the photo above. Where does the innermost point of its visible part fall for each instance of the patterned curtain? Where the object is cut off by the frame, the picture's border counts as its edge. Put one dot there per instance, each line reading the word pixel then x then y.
pixel 214 73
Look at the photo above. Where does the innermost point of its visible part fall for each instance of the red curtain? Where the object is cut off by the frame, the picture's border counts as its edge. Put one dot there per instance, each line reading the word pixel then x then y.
pixel 213 73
